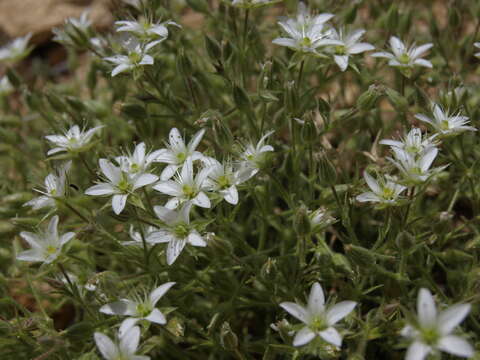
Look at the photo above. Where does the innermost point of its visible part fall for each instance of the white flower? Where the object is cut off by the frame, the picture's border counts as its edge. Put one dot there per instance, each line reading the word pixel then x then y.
pixel 75 30
pixel 54 188
pixel 403 56
pixel 136 57
pixel 140 309
pixel 74 140
pixel 415 169
pixel 6 88
pixel 477 45
pixel 412 143
pixel 120 184
pixel 383 192
pixel 306 33
pixel 445 123
pixel 177 152
pixel 186 187
pixel 433 332
pixel 318 318
pixel 178 231
pixel 320 218
pixel 152 236
pixel 139 161
pixel 349 46
pixel 15 50
pixel 150 33
pixel 124 348
pixel 253 156
pixel 247 4
pixel 46 246
pixel 223 179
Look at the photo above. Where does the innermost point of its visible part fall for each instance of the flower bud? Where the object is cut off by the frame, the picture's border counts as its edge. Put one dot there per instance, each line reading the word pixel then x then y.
pixel 398 101
pixel 368 99
pixel 326 172
pixel 228 339
pixel 302 221
pixel 360 255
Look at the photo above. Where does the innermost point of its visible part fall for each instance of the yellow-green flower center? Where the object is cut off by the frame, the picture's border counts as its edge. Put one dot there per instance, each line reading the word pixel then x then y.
pixel 134 168
pixel 134 57
pixel 430 336
pixel 144 310
pixel 306 42
pixel 223 181
pixel 318 323
pixel 50 250
pixel 404 58
pixel 181 231
pixel 388 193
pixel 340 50
pixel 445 125
pixel 181 157
pixel 189 191
pixel 124 185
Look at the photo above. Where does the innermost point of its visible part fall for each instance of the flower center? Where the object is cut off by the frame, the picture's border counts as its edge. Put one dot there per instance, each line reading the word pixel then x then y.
pixel 50 250
pixel 340 50
pixel 134 57
pixel 404 58
pixel 181 231
pixel 134 168
pixel 181 157
pixel 306 42
pixel 388 193
pixel 144 310
pixel 318 323
pixel 124 185
pixel 189 191
pixel 430 336
pixel 223 181
pixel 445 125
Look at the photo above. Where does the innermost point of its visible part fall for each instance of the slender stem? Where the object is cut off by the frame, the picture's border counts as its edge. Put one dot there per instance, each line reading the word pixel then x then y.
pixel 78 213
pixel 405 219
pixel 84 161
pixel 300 74
pixel 245 28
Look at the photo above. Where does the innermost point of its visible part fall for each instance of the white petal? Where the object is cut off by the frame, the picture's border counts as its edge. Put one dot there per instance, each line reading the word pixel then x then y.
pixel 66 237
pixel 428 158
pixel 174 249
pixel 417 351
pixel 100 189
pixel 342 61
pixel 126 325
pixel 157 317
pixel 166 215
pixel 143 180
pixel 420 50
pixel 202 200
pixel 53 227
pixel 331 336
pixel 360 47
pixel 195 239
pixel 451 317
pixel 231 195
pixel 423 118
pixel 120 68
pixel 303 336
pixel 371 182
pixel 175 139
pixel 169 187
pixel 110 171
pixel 106 346
pixel 130 340
pixel 423 62
pixel 121 307
pixel 426 309
pixel 339 311
pixel 316 299
pixel 455 345
pixel 156 294
pixel 31 255
pixel 173 203
pixel 367 197
pixel 168 172
pixel 118 203
pixel 192 145
pixel 285 42
pixel 32 239
pixel 295 310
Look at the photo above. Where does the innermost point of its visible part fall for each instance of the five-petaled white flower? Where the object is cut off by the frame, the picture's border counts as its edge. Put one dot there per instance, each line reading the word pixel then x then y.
pixel 445 123
pixel 349 46
pixel 120 184
pixel 177 152
pixel 385 192
pixel 178 231
pixel 46 246
pixel 54 188
pixel 124 347
pixel 136 57
pixel 403 56
pixel 149 33
pixel 186 187
pixel 432 332
pixel 140 309
pixel 253 156
pixel 16 50
pixel 413 143
pixel 139 161
pixel 415 169
pixel 306 33
pixel 318 318
pixel 74 140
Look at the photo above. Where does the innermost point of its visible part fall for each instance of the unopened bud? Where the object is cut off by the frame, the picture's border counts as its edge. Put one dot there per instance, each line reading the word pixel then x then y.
pixel 302 221
pixel 326 172
pixel 397 100
pixel 228 339
pixel 368 99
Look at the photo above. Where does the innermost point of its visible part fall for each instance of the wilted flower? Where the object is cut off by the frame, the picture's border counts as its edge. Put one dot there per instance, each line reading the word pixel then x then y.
pixel 178 231
pixel 186 187
pixel 136 310
pixel 403 56
pixel 349 46
pixel 432 332
pixel 253 155
pixel 46 246
pixel 149 33
pixel 136 57
pixel 306 33
pixel 139 161
pixel 385 192
pixel 54 188
pixel 413 143
pixel 120 184
pixel 6 87
pixel 444 123
pixel 16 50
pixel 318 318
pixel 74 140
pixel 177 152
pixel 124 347
pixel 415 169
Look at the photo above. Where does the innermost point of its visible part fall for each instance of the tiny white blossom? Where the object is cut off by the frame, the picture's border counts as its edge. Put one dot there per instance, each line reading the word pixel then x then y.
pixel 432 332
pixel 383 192
pixel 54 188
pixel 74 31
pixel 444 123
pixel 318 318
pixel 177 152
pixel 140 309
pixel 403 56
pixel 412 143
pixel 120 184
pixel 6 87
pixel 178 231
pixel 136 57
pixel 124 347
pixel 152 236
pixel 150 33
pixel 16 50
pixel 46 246
pixel 138 162
pixel 350 45
pixel 74 140
pixel 186 187
pixel 306 33
pixel 253 156
pixel 415 169
pixel 320 218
